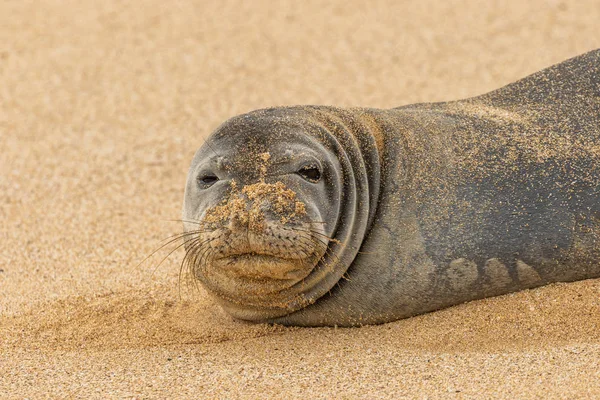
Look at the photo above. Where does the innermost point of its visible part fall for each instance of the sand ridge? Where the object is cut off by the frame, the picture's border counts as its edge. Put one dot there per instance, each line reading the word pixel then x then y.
pixel 532 319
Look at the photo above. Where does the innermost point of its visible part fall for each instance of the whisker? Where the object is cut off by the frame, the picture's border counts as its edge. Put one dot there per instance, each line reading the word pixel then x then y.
pixel 210 147
pixel 192 251
pixel 313 232
pixel 306 247
pixel 164 258
pixel 330 252
pixel 314 239
pixel 181 235
pixel 170 239
pixel 167 256
pixel 199 259
pixel 205 142
pixel 185 220
pixel 200 250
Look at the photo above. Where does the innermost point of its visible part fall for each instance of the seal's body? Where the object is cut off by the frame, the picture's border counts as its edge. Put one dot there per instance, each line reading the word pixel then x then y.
pixel 415 208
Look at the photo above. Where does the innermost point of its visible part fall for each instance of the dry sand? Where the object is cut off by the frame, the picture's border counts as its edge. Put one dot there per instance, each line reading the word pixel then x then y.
pixel 102 105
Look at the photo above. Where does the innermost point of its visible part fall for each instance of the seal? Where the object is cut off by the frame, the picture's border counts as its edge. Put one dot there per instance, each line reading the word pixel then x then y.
pixel 314 215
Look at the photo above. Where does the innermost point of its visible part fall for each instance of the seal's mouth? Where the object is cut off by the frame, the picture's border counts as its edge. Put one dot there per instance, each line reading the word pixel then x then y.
pixel 260 266
pixel 251 256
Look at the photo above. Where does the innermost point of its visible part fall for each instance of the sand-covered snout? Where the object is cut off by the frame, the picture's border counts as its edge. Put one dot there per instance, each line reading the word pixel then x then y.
pixel 258 240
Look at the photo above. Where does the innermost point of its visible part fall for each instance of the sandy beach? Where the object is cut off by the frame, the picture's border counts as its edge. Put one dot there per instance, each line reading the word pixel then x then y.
pixel 102 106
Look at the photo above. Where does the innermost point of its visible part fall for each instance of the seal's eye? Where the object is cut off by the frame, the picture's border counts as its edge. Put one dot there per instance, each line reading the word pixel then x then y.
pixel 310 173
pixel 207 180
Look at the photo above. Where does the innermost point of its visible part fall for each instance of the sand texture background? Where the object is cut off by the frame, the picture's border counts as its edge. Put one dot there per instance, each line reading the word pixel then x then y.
pixel 102 105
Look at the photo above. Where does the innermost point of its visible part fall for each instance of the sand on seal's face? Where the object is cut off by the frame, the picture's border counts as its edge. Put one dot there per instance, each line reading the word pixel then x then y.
pixel 251 243
pixel 102 105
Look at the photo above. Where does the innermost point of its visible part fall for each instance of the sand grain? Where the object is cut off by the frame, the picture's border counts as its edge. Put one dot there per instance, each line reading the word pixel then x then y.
pixel 102 105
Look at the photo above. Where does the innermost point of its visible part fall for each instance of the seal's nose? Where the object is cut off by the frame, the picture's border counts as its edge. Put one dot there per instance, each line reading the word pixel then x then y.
pixel 249 215
pixel 238 221
pixel 255 206
pixel 239 210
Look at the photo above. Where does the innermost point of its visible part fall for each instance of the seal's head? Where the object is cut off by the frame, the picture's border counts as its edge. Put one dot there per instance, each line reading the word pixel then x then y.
pixel 266 212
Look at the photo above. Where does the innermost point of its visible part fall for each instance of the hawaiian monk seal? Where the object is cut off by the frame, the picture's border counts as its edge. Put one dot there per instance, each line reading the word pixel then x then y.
pixel 316 215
